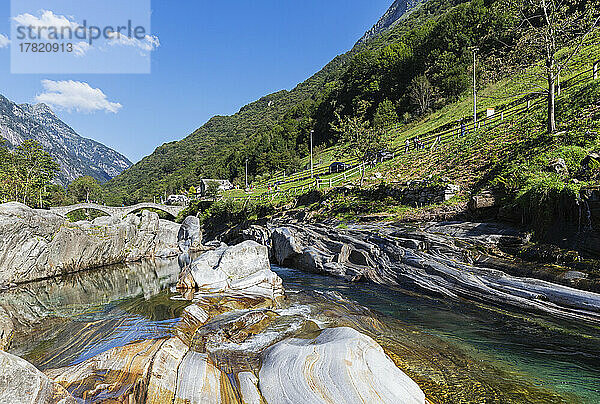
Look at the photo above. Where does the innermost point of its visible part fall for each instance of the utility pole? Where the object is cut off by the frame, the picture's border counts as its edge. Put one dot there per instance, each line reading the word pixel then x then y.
pixel 311 154
pixel 246 173
pixel 475 85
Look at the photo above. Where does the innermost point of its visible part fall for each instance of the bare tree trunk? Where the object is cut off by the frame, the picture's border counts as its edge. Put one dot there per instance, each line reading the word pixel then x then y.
pixel 362 176
pixel 551 104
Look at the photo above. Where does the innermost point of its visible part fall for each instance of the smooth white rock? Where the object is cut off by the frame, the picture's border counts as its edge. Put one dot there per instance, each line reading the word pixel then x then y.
pixel 249 388
pixel 22 383
pixel 243 270
pixel 340 366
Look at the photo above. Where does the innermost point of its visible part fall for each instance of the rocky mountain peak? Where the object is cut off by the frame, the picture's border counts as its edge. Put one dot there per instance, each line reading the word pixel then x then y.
pixel 42 108
pixel 397 10
pixel 76 155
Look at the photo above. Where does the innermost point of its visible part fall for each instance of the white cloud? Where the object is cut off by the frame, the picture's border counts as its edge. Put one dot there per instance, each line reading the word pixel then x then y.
pixel 4 41
pixel 80 48
pixel 76 96
pixel 46 19
pixel 49 22
pixel 148 44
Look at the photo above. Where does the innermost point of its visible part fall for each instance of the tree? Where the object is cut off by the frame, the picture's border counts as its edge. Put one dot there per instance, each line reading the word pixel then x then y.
pixel 548 26
pixel 421 93
pixel 357 139
pixel 57 195
pixel 84 189
pixel 6 167
pixel 212 189
pixel 385 115
pixel 34 169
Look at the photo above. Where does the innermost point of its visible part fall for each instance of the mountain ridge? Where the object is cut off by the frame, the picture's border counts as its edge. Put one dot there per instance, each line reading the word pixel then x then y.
pixel 392 16
pixel 76 155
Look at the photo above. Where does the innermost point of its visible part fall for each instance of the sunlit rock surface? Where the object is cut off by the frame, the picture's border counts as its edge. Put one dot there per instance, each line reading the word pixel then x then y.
pixel 6 328
pixel 22 383
pixel 442 258
pixel 189 235
pixel 339 366
pixel 249 388
pixel 215 319
pixel 160 371
pixel 243 270
pixel 37 244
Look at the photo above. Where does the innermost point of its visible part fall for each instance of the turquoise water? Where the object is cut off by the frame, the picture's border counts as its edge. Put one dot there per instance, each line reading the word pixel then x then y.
pixel 555 355
pixel 456 350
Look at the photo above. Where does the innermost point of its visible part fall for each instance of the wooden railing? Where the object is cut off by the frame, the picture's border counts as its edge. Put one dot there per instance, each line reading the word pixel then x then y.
pixel 518 107
pixel 428 140
pixel 332 181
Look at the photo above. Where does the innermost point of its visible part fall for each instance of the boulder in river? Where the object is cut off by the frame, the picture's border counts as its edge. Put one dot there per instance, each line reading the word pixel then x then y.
pixel 340 366
pixel 22 383
pixel 243 270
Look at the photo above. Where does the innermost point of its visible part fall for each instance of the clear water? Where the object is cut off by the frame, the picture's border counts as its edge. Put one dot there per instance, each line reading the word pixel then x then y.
pixel 558 356
pixel 456 350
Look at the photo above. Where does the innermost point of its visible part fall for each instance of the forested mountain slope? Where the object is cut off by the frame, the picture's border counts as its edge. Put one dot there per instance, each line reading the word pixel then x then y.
pixel 372 80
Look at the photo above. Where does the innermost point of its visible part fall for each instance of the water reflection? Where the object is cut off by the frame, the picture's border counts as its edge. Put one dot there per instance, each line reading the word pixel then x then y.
pixel 65 321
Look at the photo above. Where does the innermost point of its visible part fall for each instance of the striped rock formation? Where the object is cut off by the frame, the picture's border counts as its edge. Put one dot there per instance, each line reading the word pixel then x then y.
pixel 340 366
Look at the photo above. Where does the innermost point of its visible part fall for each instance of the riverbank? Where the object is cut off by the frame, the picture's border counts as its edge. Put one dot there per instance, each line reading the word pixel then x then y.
pixel 446 346
pixel 227 312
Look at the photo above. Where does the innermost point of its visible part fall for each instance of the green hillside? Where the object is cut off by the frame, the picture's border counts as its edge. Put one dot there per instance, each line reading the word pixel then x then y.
pixel 272 132
pixel 373 81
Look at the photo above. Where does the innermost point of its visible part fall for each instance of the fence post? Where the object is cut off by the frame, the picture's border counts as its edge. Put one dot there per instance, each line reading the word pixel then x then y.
pixel 528 104
pixel 330 183
pixel 596 69
pixel 502 115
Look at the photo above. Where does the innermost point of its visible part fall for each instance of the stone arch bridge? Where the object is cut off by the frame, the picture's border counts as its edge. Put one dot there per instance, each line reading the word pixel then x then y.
pixel 117 211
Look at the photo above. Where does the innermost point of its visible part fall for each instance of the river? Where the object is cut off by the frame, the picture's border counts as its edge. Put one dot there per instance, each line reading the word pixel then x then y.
pixel 456 350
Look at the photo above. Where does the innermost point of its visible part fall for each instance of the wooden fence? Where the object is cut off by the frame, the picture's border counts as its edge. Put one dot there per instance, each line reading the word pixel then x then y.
pixel 428 140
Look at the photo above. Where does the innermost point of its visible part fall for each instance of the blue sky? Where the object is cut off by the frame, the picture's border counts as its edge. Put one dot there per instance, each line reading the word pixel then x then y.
pixel 214 57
